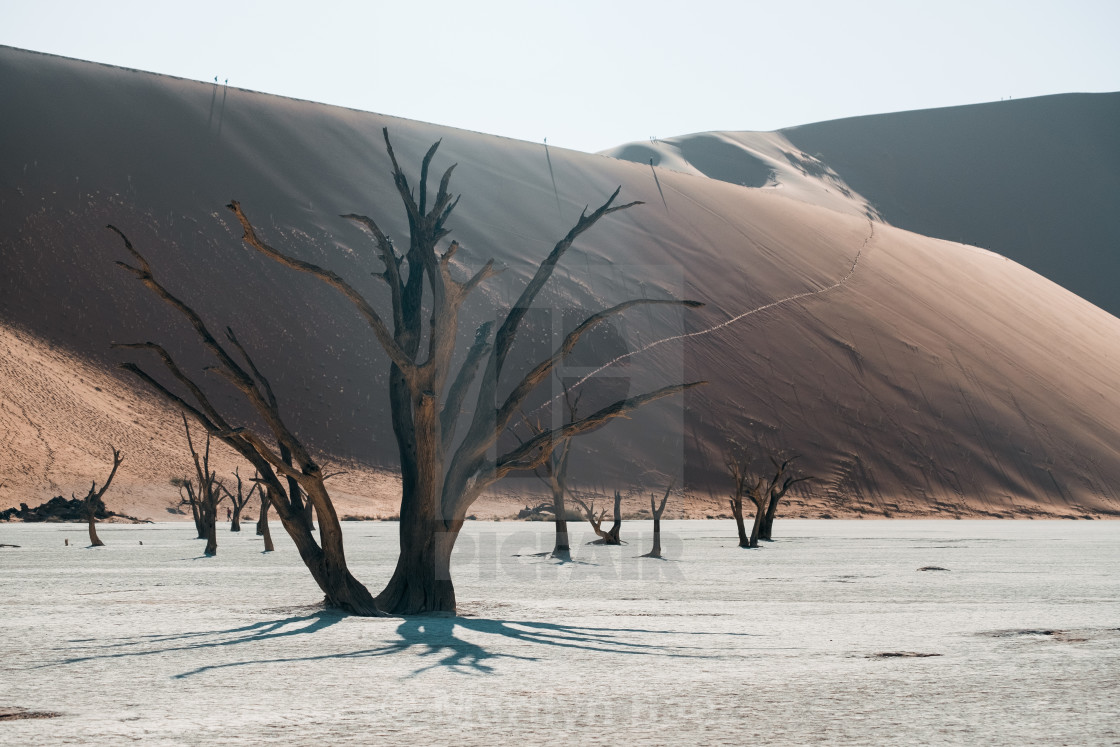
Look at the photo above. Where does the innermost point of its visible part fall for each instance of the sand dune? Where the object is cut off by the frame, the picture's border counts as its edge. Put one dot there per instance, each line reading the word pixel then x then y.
pixel 1036 180
pixel 933 379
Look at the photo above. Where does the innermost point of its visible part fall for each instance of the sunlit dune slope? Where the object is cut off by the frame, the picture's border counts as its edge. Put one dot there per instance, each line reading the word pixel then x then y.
pixel 1036 180
pixel 914 376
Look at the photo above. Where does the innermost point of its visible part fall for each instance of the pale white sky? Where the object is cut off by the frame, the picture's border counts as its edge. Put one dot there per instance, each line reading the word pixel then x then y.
pixel 590 74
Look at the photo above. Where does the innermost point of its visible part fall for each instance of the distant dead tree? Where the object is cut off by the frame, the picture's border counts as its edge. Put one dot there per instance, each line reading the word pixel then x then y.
pixel 262 521
pixel 93 501
pixel 554 473
pixel 240 499
pixel 657 511
pixel 611 536
pixel 763 494
pixel 448 454
pixel 204 493
pixel 779 486
pixel 186 498
pixel 738 465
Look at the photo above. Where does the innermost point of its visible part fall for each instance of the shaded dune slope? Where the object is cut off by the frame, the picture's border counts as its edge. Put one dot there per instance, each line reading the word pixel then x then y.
pixel 933 378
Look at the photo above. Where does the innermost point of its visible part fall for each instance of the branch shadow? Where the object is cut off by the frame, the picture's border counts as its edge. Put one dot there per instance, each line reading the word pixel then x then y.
pixel 556 559
pixel 130 646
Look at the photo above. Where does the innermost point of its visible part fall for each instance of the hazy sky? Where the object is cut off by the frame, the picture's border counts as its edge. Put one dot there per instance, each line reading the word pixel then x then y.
pixel 592 74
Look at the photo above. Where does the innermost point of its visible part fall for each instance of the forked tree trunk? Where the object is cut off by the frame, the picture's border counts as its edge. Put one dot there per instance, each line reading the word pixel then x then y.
pixel 657 511
pixel 612 536
pixel 328 564
pixel 93 499
pixel 235 521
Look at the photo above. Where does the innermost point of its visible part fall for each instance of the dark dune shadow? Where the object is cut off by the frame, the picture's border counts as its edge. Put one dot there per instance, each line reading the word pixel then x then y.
pixel 639 154
pixel 727 162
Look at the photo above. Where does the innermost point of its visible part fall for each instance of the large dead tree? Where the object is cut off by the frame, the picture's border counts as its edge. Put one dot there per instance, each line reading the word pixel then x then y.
pixel 448 456
pixel 606 537
pixel 94 500
pixel 240 499
pixel 657 511
pixel 204 492
pixel 779 486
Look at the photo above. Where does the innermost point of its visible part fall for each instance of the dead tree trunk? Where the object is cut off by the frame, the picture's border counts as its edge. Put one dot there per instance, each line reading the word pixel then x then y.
pixel 262 522
pixel 93 500
pixel 737 512
pixel 439 484
pixel 758 497
pixel 240 499
pixel 779 485
pixel 657 511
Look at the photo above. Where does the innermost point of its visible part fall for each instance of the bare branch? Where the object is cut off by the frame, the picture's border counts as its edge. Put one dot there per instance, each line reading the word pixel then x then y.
pixel 506 333
pixel 253 367
pixel 532 379
pixel 449 415
pixel 384 337
pixel 534 451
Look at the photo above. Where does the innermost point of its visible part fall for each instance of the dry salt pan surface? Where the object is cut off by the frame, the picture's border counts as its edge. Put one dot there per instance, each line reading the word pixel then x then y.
pixel 833 634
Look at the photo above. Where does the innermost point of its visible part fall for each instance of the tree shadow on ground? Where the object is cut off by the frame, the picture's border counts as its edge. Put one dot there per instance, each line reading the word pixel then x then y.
pixel 555 558
pixel 435 641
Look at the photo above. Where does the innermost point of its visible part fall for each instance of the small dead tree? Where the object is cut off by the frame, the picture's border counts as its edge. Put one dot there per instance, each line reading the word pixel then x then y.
pixel 205 492
pixel 92 502
pixel 554 474
pixel 657 511
pixel 186 498
pixel 610 537
pixel 738 465
pixel 240 499
pixel 779 486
